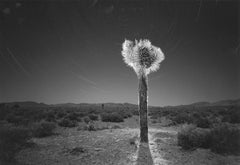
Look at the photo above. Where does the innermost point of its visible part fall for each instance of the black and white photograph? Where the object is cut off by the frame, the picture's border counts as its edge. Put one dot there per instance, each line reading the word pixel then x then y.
pixel 119 82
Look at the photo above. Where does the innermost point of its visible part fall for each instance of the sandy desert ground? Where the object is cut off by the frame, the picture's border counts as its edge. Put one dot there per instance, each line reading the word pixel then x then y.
pixel 119 146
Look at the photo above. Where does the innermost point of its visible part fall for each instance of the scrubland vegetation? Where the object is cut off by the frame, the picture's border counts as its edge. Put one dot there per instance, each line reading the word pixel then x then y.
pixel 215 128
pixel 210 127
pixel 20 124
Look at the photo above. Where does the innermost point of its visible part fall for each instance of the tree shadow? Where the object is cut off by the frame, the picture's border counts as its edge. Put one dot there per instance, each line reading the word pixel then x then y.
pixel 144 155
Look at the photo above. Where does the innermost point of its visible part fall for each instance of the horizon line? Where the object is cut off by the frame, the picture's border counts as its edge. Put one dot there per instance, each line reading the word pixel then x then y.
pixel 236 99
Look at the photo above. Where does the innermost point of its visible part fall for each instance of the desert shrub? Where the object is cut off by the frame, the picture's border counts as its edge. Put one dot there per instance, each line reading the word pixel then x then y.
pixel 225 138
pixel 93 117
pixel 154 121
pixel 182 117
pixel 35 115
pixel 232 116
pixel 90 127
pixel 126 114
pixel 61 114
pixel 79 119
pixel 81 114
pixel 12 118
pixel 203 122
pixel 83 128
pixel 17 120
pixel 67 123
pixel 76 150
pixel 12 140
pixel 86 119
pixel 226 118
pixel 50 117
pixel 133 140
pixel 74 116
pixel 4 111
pixel 222 112
pixel 154 117
pixel 222 138
pixel 191 137
pixel 43 129
pixel 112 117
pixel 129 115
pixel 165 113
pixel 136 113
pixel 166 121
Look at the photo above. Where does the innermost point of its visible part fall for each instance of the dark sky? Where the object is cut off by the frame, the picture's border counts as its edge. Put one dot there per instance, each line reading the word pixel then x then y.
pixel 70 51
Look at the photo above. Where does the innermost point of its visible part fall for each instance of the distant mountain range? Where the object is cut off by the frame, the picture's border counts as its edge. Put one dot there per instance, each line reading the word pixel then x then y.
pixel 28 104
pixel 219 103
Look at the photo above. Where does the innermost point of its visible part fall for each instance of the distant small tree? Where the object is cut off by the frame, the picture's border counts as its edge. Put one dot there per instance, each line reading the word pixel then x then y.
pixel 144 58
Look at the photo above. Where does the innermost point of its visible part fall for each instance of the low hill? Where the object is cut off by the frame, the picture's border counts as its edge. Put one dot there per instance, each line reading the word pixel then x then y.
pixel 32 104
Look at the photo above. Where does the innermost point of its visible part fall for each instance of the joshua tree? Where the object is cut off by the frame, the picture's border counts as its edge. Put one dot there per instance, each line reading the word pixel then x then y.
pixel 144 58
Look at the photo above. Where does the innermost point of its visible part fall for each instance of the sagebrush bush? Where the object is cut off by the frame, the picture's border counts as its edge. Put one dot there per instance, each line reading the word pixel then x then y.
pixel 203 122
pixel 12 140
pixel 81 114
pixel 222 138
pixel 67 123
pixel 74 116
pixel 166 121
pixel 182 118
pixel 93 117
pixel 43 129
pixel 112 117
pixel 90 127
pixel 3 111
pixel 225 138
pixel 86 119
pixel 134 140
pixel 126 114
pixel 50 117
pixel 232 116
pixel 14 119
pixel 154 121
pixel 191 137
pixel 61 114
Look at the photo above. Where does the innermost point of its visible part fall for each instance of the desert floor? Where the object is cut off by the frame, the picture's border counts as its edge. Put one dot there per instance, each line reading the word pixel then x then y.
pixel 75 146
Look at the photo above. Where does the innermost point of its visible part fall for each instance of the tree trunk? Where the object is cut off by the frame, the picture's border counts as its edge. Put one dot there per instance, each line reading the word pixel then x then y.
pixel 143 109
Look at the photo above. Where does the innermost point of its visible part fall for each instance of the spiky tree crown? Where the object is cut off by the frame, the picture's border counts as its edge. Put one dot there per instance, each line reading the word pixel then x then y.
pixel 142 56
